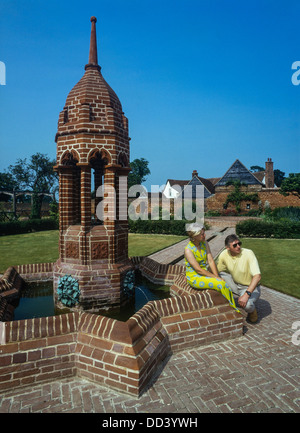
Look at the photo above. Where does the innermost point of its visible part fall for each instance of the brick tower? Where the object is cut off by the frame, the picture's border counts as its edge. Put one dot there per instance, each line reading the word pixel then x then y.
pixel 93 151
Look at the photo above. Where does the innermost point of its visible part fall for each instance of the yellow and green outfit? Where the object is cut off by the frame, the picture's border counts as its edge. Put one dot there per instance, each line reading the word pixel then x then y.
pixel 202 282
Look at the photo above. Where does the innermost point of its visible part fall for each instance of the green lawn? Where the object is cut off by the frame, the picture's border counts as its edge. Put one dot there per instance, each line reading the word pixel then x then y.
pixel 38 247
pixel 42 247
pixel 278 258
pixel 279 263
pixel 145 244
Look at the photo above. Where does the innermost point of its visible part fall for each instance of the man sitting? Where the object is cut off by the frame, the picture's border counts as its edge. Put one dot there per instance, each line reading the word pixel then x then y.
pixel 239 268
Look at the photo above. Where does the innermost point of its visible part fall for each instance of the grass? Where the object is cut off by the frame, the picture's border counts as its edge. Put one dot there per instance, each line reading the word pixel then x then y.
pixel 278 258
pixel 38 247
pixel 279 263
pixel 42 247
pixel 145 244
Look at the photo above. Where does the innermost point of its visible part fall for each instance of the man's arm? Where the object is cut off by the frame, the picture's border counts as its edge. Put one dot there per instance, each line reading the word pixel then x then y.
pixel 221 266
pixel 244 298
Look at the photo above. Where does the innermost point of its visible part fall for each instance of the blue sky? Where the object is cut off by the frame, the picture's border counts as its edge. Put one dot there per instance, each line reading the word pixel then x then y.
pixel 202 82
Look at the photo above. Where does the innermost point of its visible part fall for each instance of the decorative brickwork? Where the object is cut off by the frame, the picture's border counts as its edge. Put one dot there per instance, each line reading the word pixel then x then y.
pixel 121 355
pixel 92 136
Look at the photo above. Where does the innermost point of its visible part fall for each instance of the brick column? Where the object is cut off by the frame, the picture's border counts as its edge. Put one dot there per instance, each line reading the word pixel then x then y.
pixel 76 195
pixel 97 182
pixel 85 211
pixel 65 203
pixel 85 190
pixel 65 196
pixel 110 208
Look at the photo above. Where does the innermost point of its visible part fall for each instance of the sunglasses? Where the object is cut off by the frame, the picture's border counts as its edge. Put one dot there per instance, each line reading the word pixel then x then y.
pixel 235 245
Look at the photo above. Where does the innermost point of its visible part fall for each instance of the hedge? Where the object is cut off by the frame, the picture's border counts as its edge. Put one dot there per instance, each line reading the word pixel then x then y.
pixel 27 226
pixel 266 229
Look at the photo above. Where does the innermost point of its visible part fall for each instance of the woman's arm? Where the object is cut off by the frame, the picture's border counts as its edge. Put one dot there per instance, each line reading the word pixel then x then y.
pixel 211 261
pixel 193 262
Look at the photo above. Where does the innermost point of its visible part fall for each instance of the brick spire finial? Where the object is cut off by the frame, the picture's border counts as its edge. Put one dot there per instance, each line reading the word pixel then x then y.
pixel 93 57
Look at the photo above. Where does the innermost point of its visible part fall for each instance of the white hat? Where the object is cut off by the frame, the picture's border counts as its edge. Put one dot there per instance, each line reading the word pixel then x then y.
pixel 194 227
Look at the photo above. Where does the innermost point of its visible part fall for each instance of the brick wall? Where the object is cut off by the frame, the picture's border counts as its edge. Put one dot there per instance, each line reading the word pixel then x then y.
pixel 272 196
pixel 37 350
pixel 121 355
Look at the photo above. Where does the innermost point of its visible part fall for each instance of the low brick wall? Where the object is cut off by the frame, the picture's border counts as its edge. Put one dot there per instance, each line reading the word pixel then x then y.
pixel 37 350
pixel 36 271
pixel 159 273
pixel 121 355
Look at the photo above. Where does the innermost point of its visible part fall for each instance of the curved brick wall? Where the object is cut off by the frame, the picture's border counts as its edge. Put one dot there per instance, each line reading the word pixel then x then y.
pixel 121 355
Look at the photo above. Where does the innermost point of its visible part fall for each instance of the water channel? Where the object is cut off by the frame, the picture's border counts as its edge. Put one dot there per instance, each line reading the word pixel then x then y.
pixel 37 300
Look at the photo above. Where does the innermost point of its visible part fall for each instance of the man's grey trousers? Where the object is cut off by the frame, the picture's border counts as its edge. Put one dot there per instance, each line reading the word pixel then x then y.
pixel 239 290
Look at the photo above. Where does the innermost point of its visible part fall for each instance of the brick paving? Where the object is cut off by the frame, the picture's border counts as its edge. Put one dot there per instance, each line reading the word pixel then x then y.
pixel 257 372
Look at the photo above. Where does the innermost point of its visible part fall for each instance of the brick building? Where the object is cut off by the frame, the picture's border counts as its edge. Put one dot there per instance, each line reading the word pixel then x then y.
pixel 92 138
pixel 217 189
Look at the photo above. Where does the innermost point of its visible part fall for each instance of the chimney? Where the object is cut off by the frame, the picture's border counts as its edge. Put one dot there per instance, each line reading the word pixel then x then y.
pixel 195 173
pixel 269 174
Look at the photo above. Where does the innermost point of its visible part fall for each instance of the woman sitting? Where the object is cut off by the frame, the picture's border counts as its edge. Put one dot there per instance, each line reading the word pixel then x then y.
pixel 196 254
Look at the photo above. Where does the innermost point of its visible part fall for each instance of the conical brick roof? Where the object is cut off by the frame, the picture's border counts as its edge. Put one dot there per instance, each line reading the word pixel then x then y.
pixel 92 105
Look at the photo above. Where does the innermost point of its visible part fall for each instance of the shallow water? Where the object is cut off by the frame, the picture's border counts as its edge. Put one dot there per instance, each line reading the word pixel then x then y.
pixel 37 300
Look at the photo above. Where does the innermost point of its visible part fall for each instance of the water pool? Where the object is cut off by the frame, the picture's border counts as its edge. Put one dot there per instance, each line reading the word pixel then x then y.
pixel 37 300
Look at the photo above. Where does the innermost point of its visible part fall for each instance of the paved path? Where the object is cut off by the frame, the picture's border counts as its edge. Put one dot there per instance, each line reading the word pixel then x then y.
pixel 257 372
pixel 174 253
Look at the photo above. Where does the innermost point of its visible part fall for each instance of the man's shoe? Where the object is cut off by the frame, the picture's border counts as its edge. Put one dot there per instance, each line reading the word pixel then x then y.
pixel 252 317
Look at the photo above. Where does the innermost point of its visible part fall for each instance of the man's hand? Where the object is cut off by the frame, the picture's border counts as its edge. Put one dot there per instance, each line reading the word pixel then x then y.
pixel 243 300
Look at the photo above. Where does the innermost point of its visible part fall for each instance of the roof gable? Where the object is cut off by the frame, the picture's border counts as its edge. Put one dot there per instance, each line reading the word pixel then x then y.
pixel 196 180
pixel 238 172
pixel 181 183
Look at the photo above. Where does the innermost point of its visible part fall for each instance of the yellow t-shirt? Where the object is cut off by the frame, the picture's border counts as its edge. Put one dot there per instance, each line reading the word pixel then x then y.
pixel 241 267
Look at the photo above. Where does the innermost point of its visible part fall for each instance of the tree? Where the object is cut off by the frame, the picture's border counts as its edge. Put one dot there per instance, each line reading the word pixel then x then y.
pixel 7 183
pixel 255 168
pixel 139 171
pixel 37 175
pixel 278 177
pixel 291 185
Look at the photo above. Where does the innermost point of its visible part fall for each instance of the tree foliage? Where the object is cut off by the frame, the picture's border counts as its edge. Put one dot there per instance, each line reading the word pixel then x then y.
pixel 278 177
pixel 139 172
pixel 35 175
pixel 291 185
pixel 7 183
pixel 256 168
